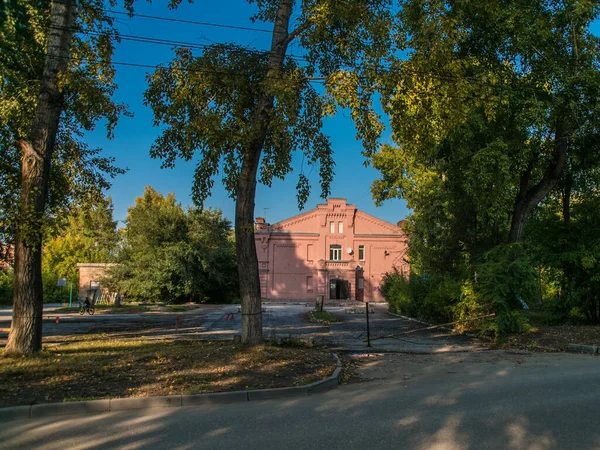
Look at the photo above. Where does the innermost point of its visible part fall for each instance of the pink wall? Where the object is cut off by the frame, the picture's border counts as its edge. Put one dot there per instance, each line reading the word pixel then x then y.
pixel 294 254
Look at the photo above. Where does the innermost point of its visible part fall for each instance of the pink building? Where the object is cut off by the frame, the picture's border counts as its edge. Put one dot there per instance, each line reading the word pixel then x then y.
pixel 334 250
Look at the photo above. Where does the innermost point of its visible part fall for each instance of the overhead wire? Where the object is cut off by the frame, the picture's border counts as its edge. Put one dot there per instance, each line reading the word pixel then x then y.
pixel 193 22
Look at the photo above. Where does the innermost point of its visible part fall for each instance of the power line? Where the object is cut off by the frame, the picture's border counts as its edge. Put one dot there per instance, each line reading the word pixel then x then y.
pixel 158 66
pixel 193 22
pixel 170 42
pixel 391 70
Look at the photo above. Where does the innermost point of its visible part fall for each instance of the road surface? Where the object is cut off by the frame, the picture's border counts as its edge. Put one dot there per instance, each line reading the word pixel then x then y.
pixel 478 400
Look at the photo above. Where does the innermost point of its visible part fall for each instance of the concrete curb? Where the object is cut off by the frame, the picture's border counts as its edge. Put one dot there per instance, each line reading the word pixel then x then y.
pixel 170 401
pixel 580 348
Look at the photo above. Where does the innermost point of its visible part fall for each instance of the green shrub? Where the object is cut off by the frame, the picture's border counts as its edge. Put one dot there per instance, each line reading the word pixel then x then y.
pixel 500 284
pixel 420 296
pixel 556 310
pixel 6 287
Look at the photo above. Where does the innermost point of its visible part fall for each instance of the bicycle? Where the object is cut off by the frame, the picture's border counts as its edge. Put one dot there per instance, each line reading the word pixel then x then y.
pixel 86 306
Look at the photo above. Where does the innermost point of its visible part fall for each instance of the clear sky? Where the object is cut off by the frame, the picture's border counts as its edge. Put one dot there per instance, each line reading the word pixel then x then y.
pixel 134 136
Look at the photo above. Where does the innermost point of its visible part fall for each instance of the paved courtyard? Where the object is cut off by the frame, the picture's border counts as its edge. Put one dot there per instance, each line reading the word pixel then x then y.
pixel 279 320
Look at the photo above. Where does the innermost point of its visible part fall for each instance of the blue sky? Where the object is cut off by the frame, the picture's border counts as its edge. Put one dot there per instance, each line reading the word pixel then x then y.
pixel 134 136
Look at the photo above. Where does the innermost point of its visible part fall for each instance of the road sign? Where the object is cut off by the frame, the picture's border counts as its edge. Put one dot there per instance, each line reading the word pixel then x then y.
pixel 61 282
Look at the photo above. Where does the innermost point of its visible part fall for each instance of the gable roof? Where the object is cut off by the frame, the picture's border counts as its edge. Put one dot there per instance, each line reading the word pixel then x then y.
pixel 298 218
pixel 368 224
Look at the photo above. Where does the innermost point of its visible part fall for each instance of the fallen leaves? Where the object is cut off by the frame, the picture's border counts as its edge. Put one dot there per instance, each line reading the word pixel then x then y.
pixel 102 368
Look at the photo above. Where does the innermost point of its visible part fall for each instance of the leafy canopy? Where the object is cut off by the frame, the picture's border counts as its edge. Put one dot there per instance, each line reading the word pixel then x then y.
pixel 78 170
pixel 170 254
pixel 206 103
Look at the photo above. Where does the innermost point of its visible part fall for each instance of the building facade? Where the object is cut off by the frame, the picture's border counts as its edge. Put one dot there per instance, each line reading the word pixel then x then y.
pixel 334 250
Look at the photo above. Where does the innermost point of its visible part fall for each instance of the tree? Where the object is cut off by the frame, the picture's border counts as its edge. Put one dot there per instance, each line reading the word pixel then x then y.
pixel 530 83
pixel 494 112
pixel 251 110
pixel 89 234
pixel 171 255
pixel 63 83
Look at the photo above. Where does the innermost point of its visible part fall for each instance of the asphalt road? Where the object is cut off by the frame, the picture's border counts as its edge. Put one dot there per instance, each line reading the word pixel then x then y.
pixel 480 400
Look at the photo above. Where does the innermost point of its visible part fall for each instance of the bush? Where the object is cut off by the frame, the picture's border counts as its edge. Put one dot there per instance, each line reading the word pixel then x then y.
pixel 420 296
pixel 500 284
pixel 6 287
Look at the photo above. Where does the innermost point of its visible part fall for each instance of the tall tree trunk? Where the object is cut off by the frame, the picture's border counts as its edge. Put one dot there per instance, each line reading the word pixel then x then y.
pixel 529 197
pixel 26 332
pixel 246 188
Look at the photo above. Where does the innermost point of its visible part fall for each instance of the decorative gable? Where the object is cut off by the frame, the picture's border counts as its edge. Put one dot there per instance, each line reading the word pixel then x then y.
pixel 307 222
pixel 368 224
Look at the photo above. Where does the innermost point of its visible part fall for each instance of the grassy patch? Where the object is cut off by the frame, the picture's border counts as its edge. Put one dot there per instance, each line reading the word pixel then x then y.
pixel 178 308
pixel 323 317
pixel 109 309
pixel 94 368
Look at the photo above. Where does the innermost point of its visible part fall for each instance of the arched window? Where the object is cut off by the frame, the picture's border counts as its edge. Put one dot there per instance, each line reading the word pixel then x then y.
pixel 335 252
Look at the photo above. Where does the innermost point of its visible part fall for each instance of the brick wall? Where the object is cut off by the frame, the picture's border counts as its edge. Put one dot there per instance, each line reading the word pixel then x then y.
pixel 89 272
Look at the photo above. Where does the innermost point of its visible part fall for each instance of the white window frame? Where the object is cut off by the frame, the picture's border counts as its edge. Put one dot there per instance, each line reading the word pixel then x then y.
pixel 361 249
pixel 332 227
pixel 340 227
pixel 335 252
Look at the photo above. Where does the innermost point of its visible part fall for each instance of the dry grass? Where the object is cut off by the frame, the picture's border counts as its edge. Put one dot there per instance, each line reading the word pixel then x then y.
pixel 92 369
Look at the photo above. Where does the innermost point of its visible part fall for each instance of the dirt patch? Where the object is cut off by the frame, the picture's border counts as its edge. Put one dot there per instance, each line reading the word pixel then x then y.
pixel 544 338
pixel 95 369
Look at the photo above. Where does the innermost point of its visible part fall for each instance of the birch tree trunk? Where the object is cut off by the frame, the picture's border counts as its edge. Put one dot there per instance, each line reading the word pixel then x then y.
pixel 36 155
pixel 250 294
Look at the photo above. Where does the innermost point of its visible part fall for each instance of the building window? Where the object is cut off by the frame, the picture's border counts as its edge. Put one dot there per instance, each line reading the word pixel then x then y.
pixel 340 227
pixel 309 284
pixel 335 252
pixel 309 252
pixel 332 227
pixel 361 252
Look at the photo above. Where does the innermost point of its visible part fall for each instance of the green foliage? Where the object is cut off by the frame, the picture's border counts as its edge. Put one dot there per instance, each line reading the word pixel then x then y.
pixel 421 297
pixel 171 255
pixel 207 104
pixel 78 171
pixel 88 234
pixel 477 113
pixel 570 252
pixel 6 287
pixel 497 285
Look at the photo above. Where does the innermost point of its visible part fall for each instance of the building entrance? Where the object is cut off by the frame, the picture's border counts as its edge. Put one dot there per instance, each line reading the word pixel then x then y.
pixel 339 289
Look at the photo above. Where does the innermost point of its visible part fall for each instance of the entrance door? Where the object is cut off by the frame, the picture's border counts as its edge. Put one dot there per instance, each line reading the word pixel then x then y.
pixel 339 289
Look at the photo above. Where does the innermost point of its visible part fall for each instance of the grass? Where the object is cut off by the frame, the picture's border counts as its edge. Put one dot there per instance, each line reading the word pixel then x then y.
pixel 93 367
pixel 132 309
pixel 323 317
pixel 109 309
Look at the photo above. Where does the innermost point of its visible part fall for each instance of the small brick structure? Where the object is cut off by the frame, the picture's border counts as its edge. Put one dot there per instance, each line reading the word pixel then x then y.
pixel 90 277
pixel 7 256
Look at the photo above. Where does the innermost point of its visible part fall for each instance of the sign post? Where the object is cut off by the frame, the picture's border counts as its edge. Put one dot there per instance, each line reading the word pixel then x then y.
pixel 368 329
pixel 61 283
pixel 71 295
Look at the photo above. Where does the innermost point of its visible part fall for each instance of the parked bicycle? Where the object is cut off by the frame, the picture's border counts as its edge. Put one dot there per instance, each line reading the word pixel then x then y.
pixel 86 306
